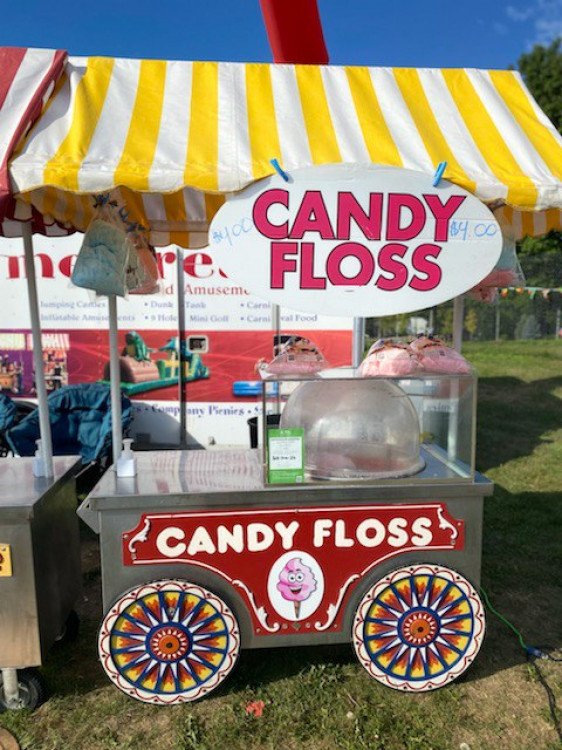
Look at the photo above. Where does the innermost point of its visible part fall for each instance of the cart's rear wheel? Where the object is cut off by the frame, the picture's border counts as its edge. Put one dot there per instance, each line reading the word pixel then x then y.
pixel 32 691
pixel 419 628
pixel 168 642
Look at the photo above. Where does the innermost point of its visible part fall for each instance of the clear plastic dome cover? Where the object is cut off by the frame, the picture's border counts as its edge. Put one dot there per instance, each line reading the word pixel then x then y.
pixel 355 429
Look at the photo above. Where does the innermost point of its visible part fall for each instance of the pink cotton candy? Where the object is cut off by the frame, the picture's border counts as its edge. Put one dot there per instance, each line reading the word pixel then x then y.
pixel 297 356
pixel 388 359
pixel 487 294
pixel 434 356
pixel 500 278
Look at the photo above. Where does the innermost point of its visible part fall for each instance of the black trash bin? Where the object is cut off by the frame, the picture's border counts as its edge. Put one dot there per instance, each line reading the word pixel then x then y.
pixel 272 421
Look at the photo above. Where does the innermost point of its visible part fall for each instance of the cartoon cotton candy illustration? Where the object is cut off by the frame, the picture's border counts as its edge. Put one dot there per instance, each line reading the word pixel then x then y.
pixel 296 583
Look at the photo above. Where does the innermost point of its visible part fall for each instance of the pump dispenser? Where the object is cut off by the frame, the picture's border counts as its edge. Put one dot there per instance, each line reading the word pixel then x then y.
pixel 127 463
pixel 38 465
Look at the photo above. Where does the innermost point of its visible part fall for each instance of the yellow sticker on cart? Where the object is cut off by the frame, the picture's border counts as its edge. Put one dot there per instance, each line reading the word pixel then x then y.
pixel 5 561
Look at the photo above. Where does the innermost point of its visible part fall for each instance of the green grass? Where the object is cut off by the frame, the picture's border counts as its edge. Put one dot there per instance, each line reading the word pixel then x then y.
pixel 320 698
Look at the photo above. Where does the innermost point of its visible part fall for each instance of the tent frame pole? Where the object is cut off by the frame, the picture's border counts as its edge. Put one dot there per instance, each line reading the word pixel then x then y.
pixel 276 325
pixel 458 322
pixel 115 380
pixel 358 341
pixel 40 386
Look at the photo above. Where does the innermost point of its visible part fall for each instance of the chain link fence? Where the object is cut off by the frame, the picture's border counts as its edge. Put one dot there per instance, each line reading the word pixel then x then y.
pixel 517 315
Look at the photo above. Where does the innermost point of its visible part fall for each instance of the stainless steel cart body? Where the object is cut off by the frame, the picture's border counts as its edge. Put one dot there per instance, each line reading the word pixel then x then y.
pixel 40 568
pixel 208 518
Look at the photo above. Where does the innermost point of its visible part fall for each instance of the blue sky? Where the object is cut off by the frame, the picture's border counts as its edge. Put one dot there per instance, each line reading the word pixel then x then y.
pixel 420 33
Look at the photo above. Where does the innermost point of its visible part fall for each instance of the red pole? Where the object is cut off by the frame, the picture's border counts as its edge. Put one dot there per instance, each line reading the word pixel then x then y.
pixel 294 31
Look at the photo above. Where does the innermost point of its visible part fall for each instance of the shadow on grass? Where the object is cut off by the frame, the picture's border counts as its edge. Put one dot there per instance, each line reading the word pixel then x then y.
pixel 513 416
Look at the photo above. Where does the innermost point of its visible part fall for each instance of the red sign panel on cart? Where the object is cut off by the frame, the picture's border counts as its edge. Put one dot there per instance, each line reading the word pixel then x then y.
pixel 345 239
pixel 295 568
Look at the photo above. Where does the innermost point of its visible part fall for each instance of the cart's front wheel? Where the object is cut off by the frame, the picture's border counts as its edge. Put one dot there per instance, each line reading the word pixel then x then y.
pixel 32 690
pixel 168 642
pixel 419 628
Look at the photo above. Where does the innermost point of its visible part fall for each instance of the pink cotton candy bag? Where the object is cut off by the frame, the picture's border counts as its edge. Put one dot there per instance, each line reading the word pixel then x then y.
pixel 297 356
pixel 433 356
pixel 387 358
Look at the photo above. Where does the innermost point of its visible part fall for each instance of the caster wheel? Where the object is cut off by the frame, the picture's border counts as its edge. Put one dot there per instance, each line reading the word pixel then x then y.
pixel 70 629
pixel 31 688
pixel 419 628
pixel 168 642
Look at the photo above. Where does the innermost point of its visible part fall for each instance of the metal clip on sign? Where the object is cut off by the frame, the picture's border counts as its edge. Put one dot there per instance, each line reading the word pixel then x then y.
pixel 441 167
pixel 275 164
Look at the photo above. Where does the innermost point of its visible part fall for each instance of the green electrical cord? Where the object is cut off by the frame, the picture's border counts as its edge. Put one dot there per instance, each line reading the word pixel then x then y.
pixel 528 649
pixel 532 651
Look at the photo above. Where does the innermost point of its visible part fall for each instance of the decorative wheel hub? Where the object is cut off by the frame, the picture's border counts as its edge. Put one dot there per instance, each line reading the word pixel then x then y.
pixel 419 628
pixel 168 642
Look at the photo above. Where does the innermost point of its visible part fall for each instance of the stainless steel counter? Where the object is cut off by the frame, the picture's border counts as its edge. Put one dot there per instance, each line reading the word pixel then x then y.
pixel 20 490
pixel 209 478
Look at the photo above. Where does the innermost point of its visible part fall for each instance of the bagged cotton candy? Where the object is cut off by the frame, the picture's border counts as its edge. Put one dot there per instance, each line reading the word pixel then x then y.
pixel 507 272
pixel 387 359
pixel 115 257
pixel 297 356
pixel 433 356
pixel 101 264
pixel 142 269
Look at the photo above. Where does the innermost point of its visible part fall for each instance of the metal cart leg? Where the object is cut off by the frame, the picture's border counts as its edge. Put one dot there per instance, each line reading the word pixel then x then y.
pixel 10 688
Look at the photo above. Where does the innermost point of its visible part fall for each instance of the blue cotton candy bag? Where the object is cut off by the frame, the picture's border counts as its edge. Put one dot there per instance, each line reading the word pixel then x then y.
pixel 102 262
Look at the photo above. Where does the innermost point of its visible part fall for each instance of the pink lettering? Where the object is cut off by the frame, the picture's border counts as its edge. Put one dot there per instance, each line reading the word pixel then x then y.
pixel 261 208
pixel 389 264
pixel 308 279
pixel 345 250
pixel 312 216
pixel 280 264
pixel 349 208
pixel 394 228
pixel 443 213
pixel 422 265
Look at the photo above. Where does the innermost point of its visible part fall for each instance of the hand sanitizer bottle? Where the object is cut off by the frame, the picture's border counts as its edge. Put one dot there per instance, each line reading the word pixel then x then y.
pixel 127 463
pixel 38 466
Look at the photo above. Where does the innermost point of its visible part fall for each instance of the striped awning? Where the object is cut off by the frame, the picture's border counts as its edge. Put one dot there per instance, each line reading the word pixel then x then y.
pixel 27 80
pixel 174 137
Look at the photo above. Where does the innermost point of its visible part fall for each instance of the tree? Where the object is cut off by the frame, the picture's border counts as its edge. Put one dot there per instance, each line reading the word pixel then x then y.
pixel 471 322
pixel 541 260
pixel 541 68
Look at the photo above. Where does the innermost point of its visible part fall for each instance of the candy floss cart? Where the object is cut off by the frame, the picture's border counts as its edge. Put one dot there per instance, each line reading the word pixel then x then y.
pixel 359 517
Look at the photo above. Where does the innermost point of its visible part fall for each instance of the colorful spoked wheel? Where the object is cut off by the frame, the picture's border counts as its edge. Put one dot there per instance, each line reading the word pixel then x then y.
pixel 419 628
pixel 168 642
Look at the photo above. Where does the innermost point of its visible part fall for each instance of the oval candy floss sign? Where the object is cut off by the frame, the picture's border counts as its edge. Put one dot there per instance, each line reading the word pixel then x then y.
pixel 355 240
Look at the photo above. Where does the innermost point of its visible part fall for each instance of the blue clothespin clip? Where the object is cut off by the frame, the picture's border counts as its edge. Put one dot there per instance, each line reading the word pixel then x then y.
pixel 441 167
pixel 275 164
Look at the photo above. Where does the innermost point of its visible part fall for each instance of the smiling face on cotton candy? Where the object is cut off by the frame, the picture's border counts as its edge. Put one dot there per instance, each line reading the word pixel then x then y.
pixel 296 581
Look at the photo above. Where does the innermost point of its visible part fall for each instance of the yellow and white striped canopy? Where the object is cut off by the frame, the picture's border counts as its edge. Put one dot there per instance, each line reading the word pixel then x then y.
pixel 174 137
